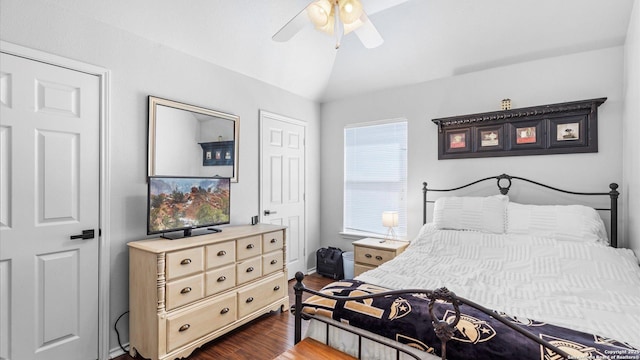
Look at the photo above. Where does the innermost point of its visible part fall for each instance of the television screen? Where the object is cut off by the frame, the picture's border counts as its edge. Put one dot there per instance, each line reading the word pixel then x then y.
pixel 185 203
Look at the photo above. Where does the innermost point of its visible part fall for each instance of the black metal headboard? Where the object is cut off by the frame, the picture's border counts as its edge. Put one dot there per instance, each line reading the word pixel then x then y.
pixel 613 195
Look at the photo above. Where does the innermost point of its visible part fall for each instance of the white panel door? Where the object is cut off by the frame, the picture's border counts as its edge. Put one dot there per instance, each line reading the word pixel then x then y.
pixel 282 183
pixel 49 192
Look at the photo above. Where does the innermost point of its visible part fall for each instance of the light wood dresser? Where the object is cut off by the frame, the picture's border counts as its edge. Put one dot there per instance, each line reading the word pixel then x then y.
pixel 369 253
pixel 184 293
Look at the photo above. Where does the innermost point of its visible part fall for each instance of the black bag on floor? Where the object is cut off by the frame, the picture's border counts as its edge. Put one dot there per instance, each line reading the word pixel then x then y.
pixel 329 263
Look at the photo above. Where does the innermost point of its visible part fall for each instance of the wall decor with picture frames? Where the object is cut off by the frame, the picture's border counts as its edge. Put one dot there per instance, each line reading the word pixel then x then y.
pixel 570 127
pixel 217 153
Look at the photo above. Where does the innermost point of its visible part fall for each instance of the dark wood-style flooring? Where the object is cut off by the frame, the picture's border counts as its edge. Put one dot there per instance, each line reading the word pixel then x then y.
pixel 264 338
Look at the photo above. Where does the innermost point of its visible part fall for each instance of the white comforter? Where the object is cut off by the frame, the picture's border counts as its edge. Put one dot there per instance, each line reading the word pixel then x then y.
pixel 584 286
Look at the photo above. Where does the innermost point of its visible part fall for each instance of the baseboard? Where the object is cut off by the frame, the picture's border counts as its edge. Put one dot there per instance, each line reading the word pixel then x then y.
pixel 115 352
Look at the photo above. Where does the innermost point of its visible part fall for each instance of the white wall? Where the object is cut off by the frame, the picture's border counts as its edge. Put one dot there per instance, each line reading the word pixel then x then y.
pixel 554 80
pixel 177 151
pixel 141 68
pixel 631 131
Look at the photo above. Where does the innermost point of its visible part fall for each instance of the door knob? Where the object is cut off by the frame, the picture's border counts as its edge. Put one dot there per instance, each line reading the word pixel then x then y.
pixel 86 234
pixel 269 212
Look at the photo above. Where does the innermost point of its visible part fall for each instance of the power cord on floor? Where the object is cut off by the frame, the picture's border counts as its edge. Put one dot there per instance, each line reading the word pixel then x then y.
pixel 115 327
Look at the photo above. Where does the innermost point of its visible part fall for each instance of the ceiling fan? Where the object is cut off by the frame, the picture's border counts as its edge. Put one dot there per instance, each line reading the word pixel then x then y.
pixel 338 18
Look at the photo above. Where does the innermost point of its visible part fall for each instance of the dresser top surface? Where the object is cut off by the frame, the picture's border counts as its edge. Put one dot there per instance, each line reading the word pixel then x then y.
pixel 381 244
pixel 159 245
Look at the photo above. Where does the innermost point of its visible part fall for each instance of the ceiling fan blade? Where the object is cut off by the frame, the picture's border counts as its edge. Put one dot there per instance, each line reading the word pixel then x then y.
pixel 291 28
pixel 375 6
pixel 368 34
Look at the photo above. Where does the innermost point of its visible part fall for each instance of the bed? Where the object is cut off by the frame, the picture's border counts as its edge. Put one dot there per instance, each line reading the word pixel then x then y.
pixel 490 278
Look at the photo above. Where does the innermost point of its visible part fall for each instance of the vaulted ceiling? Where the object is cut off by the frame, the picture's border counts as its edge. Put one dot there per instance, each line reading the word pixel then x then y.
pixel 424 39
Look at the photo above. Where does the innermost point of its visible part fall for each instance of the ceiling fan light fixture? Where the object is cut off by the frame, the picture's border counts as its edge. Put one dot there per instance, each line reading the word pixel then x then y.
pixel 328 27
pixel 320 13
pixel 335 18
pixel 350 11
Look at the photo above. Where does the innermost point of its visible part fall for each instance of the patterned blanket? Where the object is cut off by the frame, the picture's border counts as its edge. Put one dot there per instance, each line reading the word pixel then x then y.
pixel 406 319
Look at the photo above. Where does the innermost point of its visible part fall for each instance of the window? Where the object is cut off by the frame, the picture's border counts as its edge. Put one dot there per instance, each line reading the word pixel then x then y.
pixel 375 176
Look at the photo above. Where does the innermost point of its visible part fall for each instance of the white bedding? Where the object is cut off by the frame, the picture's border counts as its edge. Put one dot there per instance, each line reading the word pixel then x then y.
pixel 585 286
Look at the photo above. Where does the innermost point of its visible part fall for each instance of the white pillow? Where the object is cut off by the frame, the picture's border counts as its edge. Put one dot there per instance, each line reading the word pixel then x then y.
pixel 486 214
pixel 562 222
pixel 425 231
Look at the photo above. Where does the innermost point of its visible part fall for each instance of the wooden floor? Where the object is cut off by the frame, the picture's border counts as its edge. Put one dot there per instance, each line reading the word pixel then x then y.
pixel 263 339
pixel 309 348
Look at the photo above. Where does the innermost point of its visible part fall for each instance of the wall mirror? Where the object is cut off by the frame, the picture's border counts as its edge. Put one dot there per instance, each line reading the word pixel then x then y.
pixel 187 140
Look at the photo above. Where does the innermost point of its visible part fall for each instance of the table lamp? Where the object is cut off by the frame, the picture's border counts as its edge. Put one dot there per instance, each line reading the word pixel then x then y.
pixel 390 220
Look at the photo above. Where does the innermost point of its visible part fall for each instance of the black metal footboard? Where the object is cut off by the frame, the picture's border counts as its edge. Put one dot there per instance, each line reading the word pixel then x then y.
pixel 444 330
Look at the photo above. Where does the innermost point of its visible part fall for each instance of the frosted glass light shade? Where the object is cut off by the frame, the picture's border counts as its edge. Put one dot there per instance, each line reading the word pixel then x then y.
pixel 320 12
pixel 390 219
pixel 329 26
pixel 350 10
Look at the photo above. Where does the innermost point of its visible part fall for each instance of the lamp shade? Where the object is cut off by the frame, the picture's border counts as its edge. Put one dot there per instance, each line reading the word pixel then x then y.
pixel 324 15
pixel 350 10
pixel 320 12
pixel 390 218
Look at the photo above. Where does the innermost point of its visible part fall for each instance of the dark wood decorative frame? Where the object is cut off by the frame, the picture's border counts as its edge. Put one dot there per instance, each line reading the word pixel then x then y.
pixel 525 131
pixel 458 140
pixel 490 138
pixel 217 153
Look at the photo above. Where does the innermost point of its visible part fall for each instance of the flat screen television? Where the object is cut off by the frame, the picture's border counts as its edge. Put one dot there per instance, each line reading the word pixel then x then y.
pixel 186 203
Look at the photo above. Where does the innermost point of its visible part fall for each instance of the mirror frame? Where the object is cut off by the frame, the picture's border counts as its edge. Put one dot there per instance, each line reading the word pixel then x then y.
pixel 152 141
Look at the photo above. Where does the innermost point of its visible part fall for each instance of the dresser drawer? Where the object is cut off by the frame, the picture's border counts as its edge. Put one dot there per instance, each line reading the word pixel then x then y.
pixel 184 262
pixel 184 291
pixel 256 296
pixel 249 270
pixel 272 262
pixel 194 323
pixel 249 247
pixel 221 279
pixel 371 256
pixel 221 254
pixel 272 241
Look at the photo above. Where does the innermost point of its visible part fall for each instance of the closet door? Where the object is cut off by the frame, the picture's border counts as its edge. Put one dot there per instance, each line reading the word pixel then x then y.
pixel 49 211
pixel 282 183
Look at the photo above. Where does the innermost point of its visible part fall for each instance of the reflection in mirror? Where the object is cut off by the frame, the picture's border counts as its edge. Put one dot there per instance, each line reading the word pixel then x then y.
pixel 186 140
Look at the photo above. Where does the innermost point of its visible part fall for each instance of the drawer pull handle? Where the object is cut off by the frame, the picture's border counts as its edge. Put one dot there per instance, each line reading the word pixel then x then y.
pixel 222 278
pixel 250 299
pixel 250 269
pixel 222 253
pixel 273 262
pixel 273 241
pixel 185 262
pixel 379 258
pixel 224 311
pixel 250 246
pixel 184 327
pixel 368 256
pixel 185 290
pixel 276 288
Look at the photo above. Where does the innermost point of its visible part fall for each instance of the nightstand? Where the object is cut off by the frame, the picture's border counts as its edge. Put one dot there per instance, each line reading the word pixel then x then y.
pixel 369 253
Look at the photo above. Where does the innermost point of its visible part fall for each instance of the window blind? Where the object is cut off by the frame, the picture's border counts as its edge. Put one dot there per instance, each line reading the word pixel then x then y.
pixel 375 176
